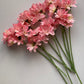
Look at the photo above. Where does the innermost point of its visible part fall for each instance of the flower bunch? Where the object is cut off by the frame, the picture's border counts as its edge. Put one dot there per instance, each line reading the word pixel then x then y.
pixel 35 27
pixel 41 20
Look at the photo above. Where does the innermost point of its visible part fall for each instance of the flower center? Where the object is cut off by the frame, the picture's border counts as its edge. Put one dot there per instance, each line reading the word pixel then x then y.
pixel 19 38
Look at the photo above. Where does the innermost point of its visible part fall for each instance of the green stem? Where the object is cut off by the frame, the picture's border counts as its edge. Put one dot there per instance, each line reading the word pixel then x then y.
pixel 61 47
pixel 68 48
pixel 63 63
pixel 72 57
pixel 58 69
pixel 63 78
pixel 56 60
pixel 70 54
pixel 67 52
pixel 69 77
pixel 59 54
pixel 71 47
pixel 66 43
pixel 78 78
pixel 66 40
pixel 49 55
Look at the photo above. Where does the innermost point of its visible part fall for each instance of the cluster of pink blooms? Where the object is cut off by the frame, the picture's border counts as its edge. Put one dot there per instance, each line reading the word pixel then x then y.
pixel 39 22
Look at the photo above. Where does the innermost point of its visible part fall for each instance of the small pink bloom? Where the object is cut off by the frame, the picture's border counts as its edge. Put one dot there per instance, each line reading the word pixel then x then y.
pixel 33 46
pixel 46 27
pixel 25 17
pixel 37 12
pixel 33 32
pixel 20 40
pixel 63 18
pixel 15 35
pixel 68 4
pixel 70 18
pixel 52 9
pixel 35 41
pixel 18 28
pixel 61 13
pixel 25 30
pixel 43 39
pixel 47 21
pixel 50 1
pixel 46 30
pixel 37 17
pixel 36 8
pixel 7 33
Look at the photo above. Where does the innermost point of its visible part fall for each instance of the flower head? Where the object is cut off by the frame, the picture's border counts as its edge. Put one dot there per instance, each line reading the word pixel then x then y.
pixel 68 4
pixel 63 18
pixel 32 47
pixel 25 17
pixel 52 9
pixel 46 27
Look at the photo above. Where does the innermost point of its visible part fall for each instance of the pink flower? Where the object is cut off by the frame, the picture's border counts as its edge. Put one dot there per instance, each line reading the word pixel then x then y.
pixel 37 17
pixel 37 8
pixel 63 18
pixel 43 39
pixel 12 39
pixel 7 33
pixel 52 9
pixel 32 47
pixel 18 28
pixel 25 17
pixel 46 30
pixel 15 40
pixel 50 1
pixel 37 12
pixel 33 43
pixel 46 27
pixel 15 35
pixel 70 18
pixel 31 33
pixel 25 30
pixel 68 4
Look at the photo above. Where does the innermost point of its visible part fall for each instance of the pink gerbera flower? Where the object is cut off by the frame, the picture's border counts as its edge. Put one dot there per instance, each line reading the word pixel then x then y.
pixel 33 44
pixel 18 28
pixel 50 1
pixel 46 27
pixel 52 9
pixel 8 33
pixel 63 18
pixel 25 17
pixel 68 4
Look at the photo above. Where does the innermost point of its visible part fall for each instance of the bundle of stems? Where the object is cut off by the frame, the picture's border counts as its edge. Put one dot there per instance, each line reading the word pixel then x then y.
pixel 61 51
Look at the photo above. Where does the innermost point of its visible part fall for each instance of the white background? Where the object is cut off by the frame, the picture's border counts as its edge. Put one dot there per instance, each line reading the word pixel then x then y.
pixel 18 66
